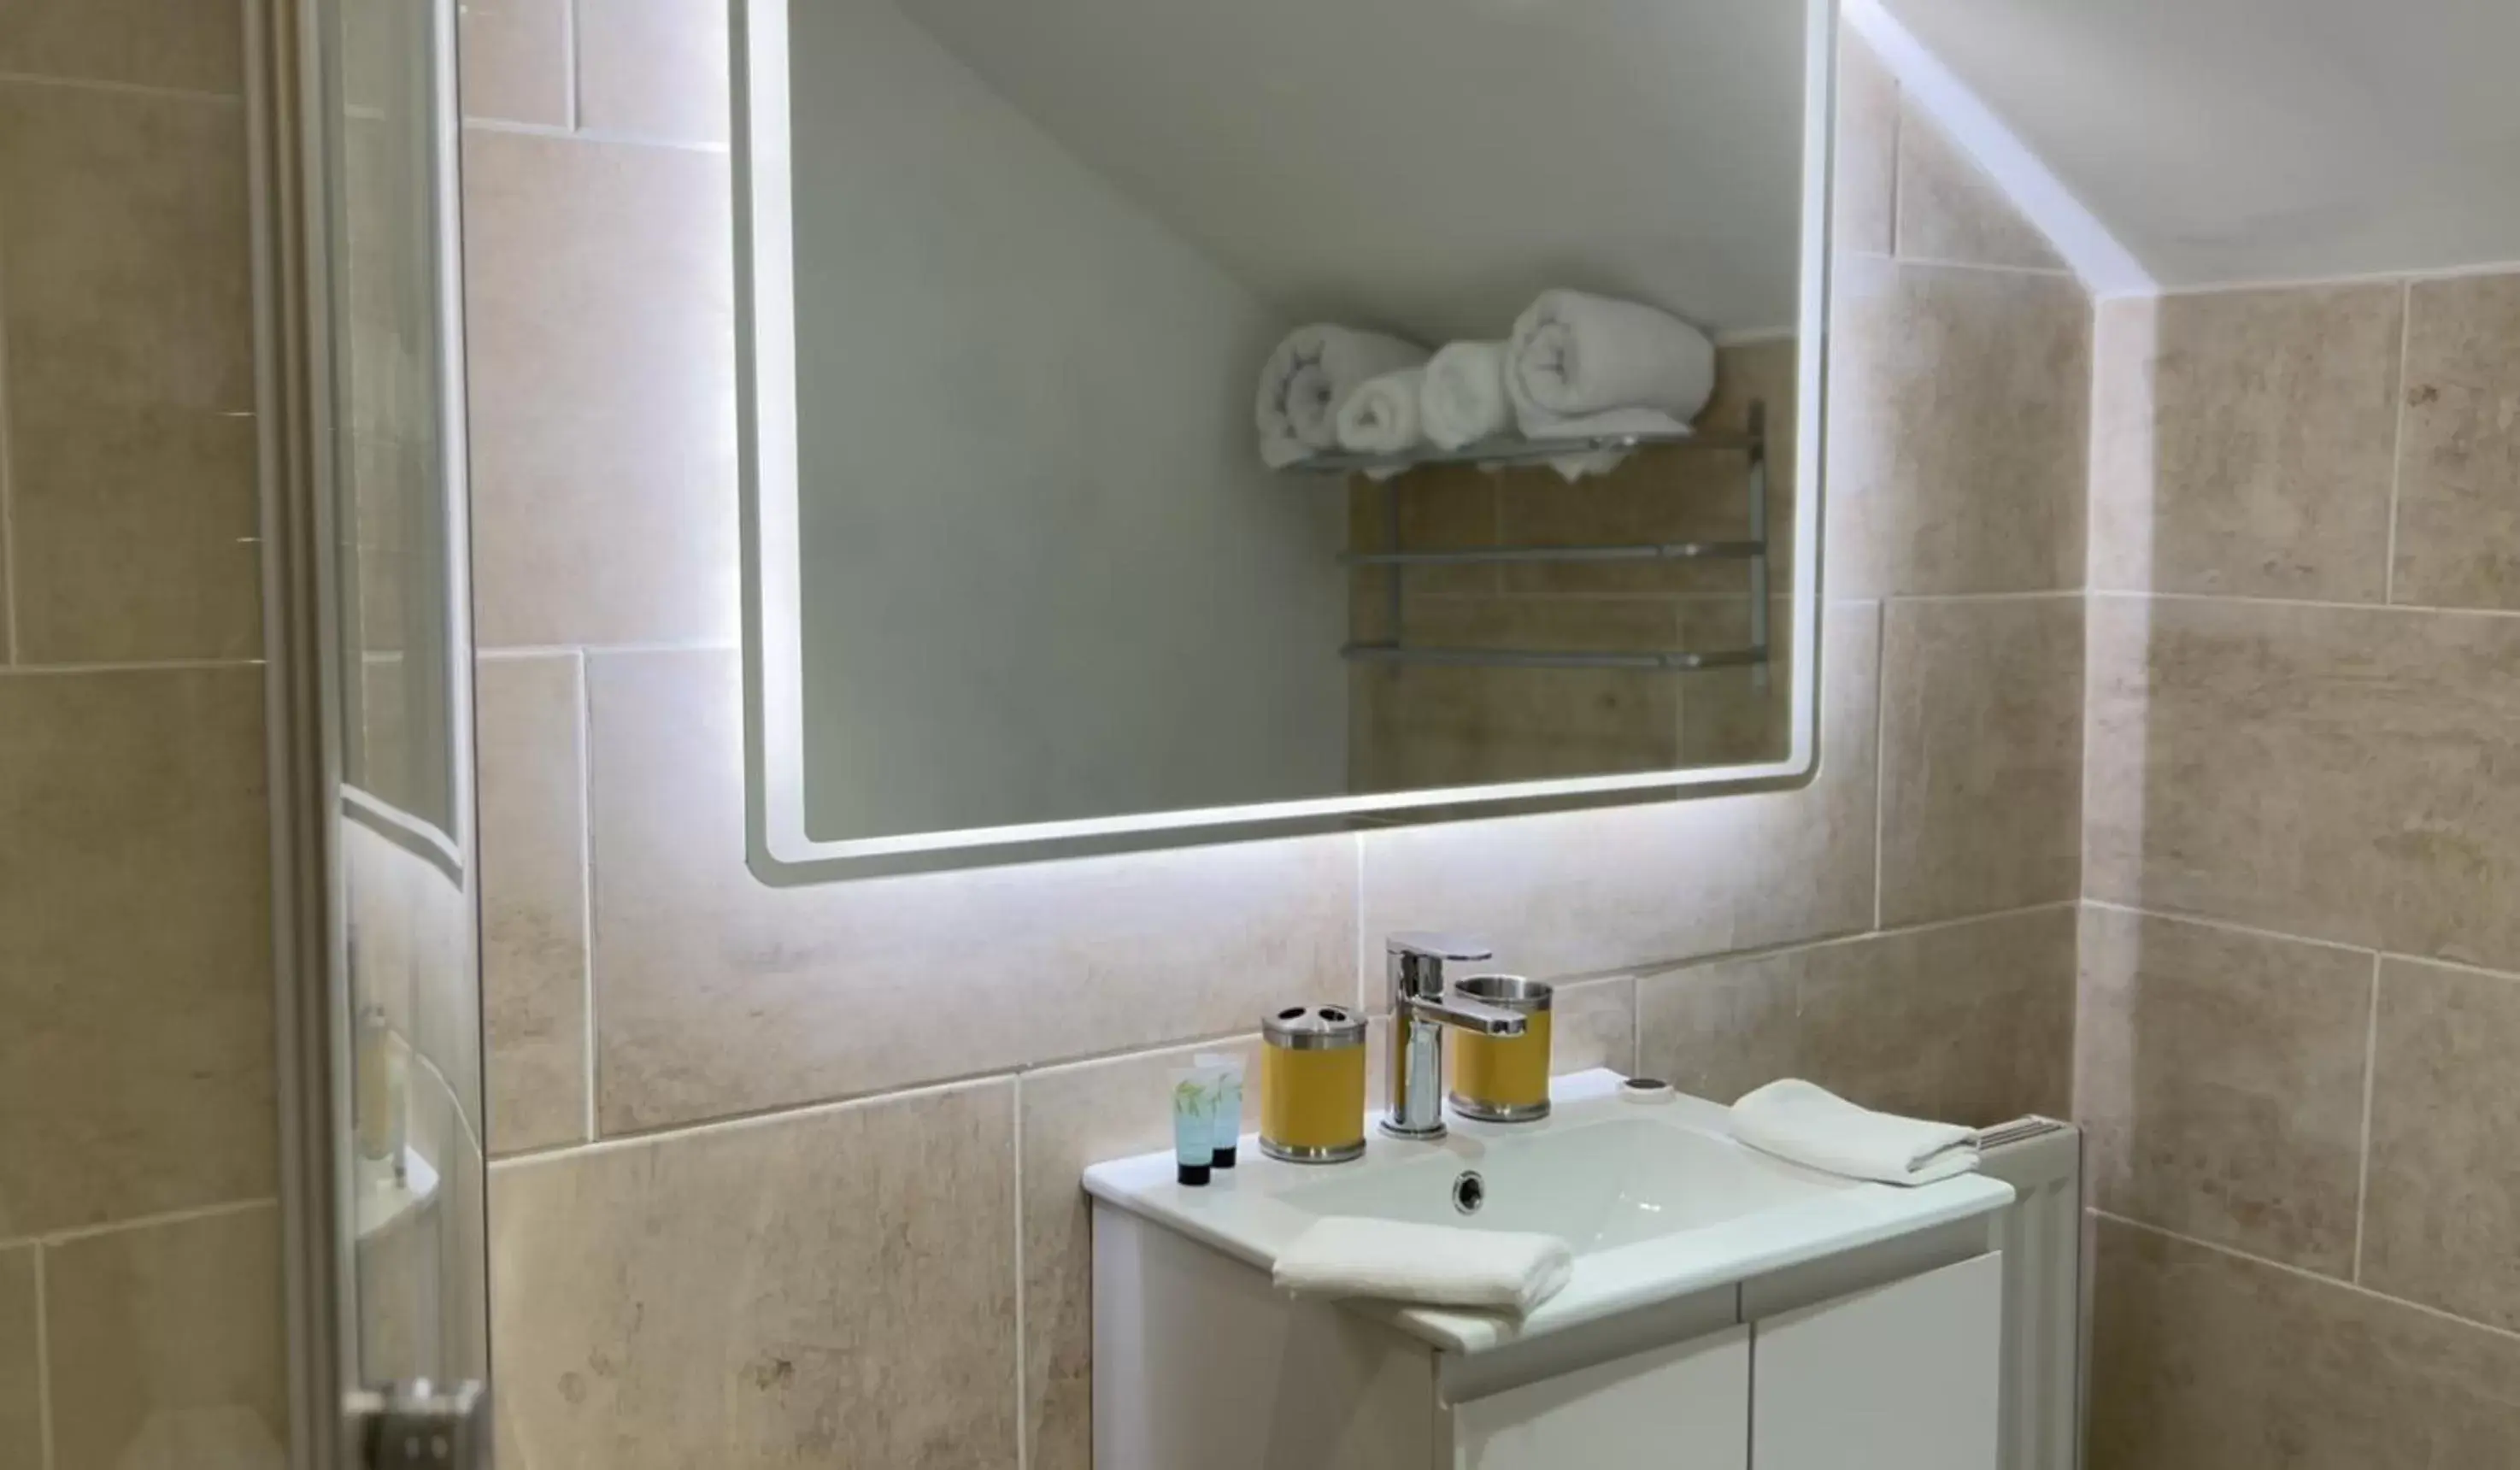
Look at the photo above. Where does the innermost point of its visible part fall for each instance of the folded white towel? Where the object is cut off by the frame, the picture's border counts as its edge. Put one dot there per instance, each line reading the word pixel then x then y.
pixel 1465 400
pixel 1382 415
pixel 1575 354
pixel 1307 381
pixel 1437 1266
pixel 1813 1127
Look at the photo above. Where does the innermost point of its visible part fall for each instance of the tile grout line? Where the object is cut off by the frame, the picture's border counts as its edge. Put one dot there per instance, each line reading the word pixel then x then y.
pixel 2397 438
pixel 70 1235
pixel 770 1116
pixel 2371 1086
pixel 2305 1273
pixel 2437 609
pixel 585 736
pixel 45 1454
pixel 1655 971
pixel 1356 906
pixel 509 128
pixel 1898 131
pixel 562 649
pixel 2229 926
pixel 1881 757
pixel 122 88
pixel 570 107
pixel 136 666
pixel 9 635
pixel 1023 1429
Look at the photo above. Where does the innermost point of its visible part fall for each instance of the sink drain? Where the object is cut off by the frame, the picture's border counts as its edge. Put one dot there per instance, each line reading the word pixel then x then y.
pixel 1469 1192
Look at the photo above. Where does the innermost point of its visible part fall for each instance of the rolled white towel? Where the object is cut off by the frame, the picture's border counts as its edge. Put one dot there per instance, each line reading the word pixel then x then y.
pixel 1438 1265
pixel 1382 415
pixel 1811 1125
pixel 1581 365
pixel 1307 381
pixel 1465 400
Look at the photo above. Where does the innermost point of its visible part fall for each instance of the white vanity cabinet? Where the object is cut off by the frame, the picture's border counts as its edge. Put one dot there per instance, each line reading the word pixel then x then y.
pixel 1905 1376
pixel 1681 1408
pixel 1882 1359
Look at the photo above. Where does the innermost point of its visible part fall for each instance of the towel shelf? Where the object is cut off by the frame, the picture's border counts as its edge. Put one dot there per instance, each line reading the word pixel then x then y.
pixel 1751 550
pixel 1665 551
pixel 1510 453
pixel 1670 662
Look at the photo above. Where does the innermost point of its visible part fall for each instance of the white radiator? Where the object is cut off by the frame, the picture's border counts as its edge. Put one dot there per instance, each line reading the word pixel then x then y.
pixel 2041 1236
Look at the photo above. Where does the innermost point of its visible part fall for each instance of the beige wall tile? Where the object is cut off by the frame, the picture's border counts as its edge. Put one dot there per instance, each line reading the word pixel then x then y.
pixel 2445 1202
pixel 135 1073
pixel 1862 206
pixel 1950 210
pixel 2335 773
pixel 1073 1117
pixel 601 349
pixel 1594 1024
pixel 1981 757
pixel 2243 442
pixel 516 61
pixel 167 1346
pixel 2459 461
pixel 653 69
pixel 533 898
pixel 1970 1022
pixel 1594 891
pixel 835 1287
pixel 718 996
pixel 1959 409
pixel 2203 1361
pixel 2218 1082
pixel 132 487
pixel 21 1387
pixel 185 44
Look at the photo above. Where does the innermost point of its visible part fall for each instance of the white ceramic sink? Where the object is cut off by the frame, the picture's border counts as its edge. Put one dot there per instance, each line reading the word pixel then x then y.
pixel 1657 1199
pixel 1597 1185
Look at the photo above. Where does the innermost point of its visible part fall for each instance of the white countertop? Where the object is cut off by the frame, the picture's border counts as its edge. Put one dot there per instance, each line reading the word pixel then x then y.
pixel 1243 1214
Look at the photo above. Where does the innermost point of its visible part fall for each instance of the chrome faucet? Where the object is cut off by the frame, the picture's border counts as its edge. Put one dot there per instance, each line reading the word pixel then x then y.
pixel 1419 1012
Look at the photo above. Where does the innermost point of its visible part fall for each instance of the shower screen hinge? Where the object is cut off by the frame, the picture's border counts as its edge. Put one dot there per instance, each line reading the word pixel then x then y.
pixel 421 1426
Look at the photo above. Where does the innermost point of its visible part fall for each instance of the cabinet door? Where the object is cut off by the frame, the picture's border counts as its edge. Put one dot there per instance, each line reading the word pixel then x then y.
pixel 1682 1408
pixel 1901 1377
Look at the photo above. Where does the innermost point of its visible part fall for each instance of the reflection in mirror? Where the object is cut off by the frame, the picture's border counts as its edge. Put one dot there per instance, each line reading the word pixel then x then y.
pixel 1259 417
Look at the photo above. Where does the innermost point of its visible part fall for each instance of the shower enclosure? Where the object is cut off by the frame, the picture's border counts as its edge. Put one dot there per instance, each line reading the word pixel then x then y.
pixel 359 275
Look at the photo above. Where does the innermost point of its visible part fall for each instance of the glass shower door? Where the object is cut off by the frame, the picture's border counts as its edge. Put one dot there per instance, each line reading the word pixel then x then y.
pixel 409 1146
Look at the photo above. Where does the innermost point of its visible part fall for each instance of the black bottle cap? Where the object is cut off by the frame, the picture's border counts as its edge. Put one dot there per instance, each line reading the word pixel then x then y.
pixel 1225 1157
pixel 1194 1173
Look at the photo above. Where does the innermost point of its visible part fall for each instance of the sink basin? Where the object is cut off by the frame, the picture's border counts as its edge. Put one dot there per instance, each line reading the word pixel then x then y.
pixel 1658 1201
pixel 1598 1186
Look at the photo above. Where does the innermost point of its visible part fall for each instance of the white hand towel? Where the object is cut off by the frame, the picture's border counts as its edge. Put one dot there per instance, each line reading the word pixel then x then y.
pixel 1465 400
pixel 1382 415
pixel 1437 1266
pixel 1575 355
pixel 1307 381
pixel 1813 1127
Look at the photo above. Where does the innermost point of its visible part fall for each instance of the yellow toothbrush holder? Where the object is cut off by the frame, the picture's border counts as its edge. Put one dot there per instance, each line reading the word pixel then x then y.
pixel 1503 1079
pixel 1312 1084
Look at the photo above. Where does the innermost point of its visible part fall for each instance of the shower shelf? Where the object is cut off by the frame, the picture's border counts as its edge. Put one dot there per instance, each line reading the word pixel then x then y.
pixel 1518 452
pixel 1751 550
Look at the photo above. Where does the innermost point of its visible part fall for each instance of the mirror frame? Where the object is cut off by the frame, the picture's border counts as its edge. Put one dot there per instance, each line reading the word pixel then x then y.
pixel 778 847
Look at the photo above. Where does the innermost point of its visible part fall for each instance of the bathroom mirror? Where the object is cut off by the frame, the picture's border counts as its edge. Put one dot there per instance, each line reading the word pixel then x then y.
pixel 1105 485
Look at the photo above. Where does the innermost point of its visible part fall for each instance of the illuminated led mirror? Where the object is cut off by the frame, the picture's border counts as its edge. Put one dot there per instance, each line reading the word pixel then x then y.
pixel 1172 421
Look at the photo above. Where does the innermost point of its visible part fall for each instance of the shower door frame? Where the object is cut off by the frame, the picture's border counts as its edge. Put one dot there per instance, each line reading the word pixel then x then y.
pixel 290 146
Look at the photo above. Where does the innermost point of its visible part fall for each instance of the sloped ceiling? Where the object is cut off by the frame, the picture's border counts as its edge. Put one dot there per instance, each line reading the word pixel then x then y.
pixel 1428 166
pixel 2227 141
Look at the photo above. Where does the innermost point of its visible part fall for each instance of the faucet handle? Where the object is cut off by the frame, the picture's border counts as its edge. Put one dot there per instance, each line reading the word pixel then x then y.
pixel 1428 944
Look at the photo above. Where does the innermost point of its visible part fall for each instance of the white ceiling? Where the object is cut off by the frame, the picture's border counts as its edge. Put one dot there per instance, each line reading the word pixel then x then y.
pixel 2226 141
pixel 1428 166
